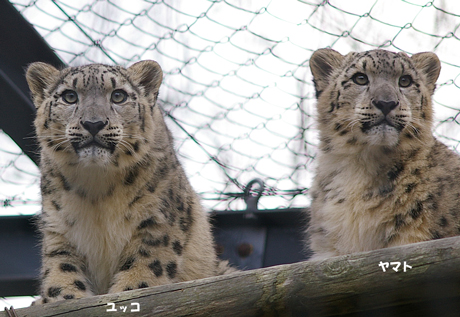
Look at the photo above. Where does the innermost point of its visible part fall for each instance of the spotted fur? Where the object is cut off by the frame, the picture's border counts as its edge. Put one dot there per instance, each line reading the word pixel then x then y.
pixel 382 178
pixel 118 211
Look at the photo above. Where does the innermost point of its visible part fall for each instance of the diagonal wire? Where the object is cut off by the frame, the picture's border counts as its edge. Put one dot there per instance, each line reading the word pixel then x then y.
pixel 95 43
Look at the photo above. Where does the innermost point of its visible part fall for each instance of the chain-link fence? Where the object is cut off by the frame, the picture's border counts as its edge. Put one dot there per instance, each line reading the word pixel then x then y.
pixel 19 180
pixel 237 89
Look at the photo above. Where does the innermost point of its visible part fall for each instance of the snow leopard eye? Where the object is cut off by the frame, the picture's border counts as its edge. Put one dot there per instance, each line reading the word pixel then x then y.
pixel 405 81
pixel 69 96
pixel 360 79
pixel 119 96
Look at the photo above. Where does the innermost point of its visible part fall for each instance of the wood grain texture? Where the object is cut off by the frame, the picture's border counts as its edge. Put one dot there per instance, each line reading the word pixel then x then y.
pixel 351 285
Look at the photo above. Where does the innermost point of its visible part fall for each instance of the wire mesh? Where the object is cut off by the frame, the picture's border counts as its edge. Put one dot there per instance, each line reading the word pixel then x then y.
pixel 19 180
pixel 237 89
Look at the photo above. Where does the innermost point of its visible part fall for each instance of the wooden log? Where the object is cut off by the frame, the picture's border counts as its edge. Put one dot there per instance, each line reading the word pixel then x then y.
pixel 351 285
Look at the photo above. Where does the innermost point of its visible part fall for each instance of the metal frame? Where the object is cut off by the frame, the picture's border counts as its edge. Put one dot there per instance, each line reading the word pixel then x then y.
pixel 20 45
pixel 249 240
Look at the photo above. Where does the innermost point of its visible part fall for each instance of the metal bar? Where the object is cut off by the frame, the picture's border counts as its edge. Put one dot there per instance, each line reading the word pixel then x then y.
pixel 18 49
pixel 249 240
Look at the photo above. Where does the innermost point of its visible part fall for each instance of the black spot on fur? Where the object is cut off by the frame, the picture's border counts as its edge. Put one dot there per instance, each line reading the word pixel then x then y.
pixel 110 191
pixel 163 168
pixel 115 160
pixel 408 135
pixel 45 186
pixel 151 242
pixel 340 201
pixel 171 194
pixel 82 193
pixel 132 175
pixel 165 207
pixel 171 269
pixel 67 267
pixel 443 221
pixel 136 146
pixel 435 235
pixel 188 211
pixel 171 218
pixel 410 187
pixel 135 200
pixel 165 203
pixel 65 183
pixel 143 285
pixel 144 253
pixel 80 285
pixel 333 107
pixel 395 171
pixel 413 153
pixel 156 268
pixel 399 221
pixel 69 296
pixel 128 264
pixel 416 211
pixel 352 141
pixel 127 289
pixel 151 186
pixel 366 126
pixel 56 205
pixel 184 224
pixel 165 240
pixel 390 239
pixel 177 247
pixel 54 291
pixel 431 199
pixel 147 223
pixel 180 205
pixel 326 144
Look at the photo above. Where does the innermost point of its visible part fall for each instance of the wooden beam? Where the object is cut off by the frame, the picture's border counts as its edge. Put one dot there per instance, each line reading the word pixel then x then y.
pixel 351 285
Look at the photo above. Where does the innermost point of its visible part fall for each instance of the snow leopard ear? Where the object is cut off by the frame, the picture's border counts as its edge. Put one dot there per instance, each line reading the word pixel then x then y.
pixel 322 64
pixel 147 74
pixel 428 63
pixel 40 76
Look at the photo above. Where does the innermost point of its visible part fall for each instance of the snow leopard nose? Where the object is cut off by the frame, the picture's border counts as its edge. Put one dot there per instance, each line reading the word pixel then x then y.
pixel 385 106
pixel 94 127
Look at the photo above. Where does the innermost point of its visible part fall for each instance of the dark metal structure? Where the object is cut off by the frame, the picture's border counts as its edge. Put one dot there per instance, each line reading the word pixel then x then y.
pixel 249 239
pixel 20 45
